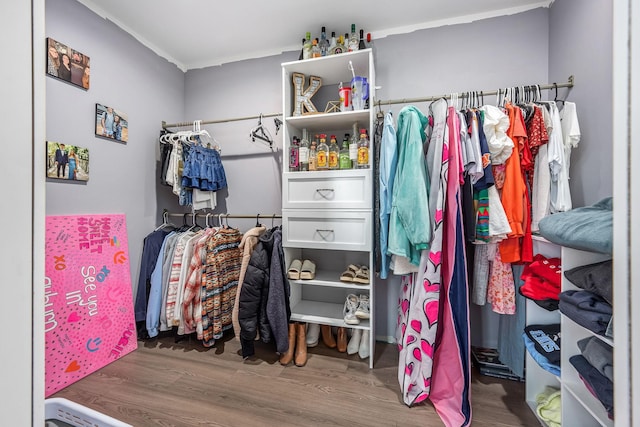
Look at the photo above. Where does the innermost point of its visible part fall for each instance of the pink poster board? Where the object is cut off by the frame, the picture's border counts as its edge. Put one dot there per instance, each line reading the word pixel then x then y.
pixel 89 320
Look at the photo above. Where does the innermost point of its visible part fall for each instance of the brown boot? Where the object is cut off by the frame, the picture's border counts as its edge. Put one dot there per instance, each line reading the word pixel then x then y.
pixel 301 344
pixel 342 340
pixel 286 358
pixel 327 336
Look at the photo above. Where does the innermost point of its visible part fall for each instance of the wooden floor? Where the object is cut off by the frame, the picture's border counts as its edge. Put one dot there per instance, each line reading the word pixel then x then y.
pixel 167 384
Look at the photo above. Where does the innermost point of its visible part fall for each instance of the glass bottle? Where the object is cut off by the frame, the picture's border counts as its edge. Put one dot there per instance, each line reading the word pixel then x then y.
pixel 353 39
pixel 324 43
pixel 361 44
pixel 323 153
pixel 313 157
pixel 344 160
pixel 302 50
pixel 334 153
pixel 353 147
pixel 303 152
pixel 306 48
pixel 315 49
pixel 332 43
pixel 339 47
pixel 363 150
pixel 294 155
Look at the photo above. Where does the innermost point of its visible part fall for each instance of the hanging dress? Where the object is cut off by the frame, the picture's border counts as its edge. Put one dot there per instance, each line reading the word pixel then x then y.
pixel 451 379
pixel 420 298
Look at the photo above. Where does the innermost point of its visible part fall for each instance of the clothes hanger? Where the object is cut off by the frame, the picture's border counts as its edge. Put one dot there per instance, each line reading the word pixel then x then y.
pixel 260 132
pixel 258 221
pixel 278 123
pixel 165 221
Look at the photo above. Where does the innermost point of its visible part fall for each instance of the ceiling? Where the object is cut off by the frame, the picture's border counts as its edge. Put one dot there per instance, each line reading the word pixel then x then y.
pixel 200 33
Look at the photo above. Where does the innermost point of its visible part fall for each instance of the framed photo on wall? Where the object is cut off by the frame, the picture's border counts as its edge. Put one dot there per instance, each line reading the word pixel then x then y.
pixel 67 64
pixel 111 123
pixel 67 162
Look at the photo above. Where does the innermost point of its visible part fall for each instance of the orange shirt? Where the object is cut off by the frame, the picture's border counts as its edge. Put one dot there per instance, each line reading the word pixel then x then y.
pixel 514 200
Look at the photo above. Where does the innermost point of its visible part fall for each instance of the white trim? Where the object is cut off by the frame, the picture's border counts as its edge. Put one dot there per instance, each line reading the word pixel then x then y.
pixel 39 209
pixel 465 19
pixel 622 213
pixel 158 51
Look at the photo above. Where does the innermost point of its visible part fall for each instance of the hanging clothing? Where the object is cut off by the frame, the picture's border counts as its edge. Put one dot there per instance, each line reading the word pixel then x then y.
pixel 409 229
pixel 155 293
pixel 513 195
pixel 557 162
pixel 451 380
pixel 570 138
pixel 247 245
pixel 419 308
pixel 510 344
pixel 218 294
pixel 495 125
pixel 150 249
pixel 260 308
pixel 388 164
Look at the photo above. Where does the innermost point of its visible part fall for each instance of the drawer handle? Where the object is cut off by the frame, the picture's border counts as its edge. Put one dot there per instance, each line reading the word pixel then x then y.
pixel 324 233
pixel 322 192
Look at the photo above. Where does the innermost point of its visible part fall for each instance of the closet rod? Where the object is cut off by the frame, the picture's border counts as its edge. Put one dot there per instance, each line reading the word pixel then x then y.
pixel 568 84
pixel 222 215
pixel 166 125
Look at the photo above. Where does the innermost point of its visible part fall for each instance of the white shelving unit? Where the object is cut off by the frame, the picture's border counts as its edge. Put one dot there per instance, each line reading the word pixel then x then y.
pixel 579 406
pixel 536 378
pixel 327 216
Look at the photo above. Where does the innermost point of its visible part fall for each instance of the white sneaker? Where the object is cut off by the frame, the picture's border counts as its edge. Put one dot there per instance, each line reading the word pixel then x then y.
pixel 313 332
pixel 363 351
pixel 362 312
pixel 354 342
pixel 349 311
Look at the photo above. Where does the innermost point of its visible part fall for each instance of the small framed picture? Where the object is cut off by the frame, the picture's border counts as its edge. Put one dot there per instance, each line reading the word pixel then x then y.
pixel 67 64
pixel 67 162
pixel 111 123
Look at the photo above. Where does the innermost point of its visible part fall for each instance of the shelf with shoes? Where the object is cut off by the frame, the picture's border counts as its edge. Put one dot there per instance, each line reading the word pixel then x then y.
pixel 327 216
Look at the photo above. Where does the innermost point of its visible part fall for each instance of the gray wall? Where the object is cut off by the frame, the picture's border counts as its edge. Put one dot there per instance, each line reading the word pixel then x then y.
pixel 422 63
pixel 130 77
pixel 580 43
pixel 533 47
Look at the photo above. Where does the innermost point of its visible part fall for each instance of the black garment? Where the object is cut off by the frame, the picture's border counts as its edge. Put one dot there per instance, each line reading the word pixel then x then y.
pixel 596 278
pixel 597 384
pixel 165 154
pixel 150 251
pixel 264 298
pixel 546 339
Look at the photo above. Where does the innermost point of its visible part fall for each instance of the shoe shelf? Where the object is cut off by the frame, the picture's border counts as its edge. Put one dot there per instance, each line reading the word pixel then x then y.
pixel 332 279
pixel 324 313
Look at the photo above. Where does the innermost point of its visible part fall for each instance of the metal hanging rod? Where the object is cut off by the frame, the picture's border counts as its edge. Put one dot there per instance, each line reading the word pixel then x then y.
pixel 166 125
pixel 222 215
pixel 569 84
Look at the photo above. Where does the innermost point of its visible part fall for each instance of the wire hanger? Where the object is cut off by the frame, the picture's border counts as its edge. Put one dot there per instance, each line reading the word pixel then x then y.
pixel 278 123
pixel 260 132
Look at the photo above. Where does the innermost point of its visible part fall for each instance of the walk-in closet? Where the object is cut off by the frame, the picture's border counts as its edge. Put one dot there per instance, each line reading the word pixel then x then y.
pixel 423 217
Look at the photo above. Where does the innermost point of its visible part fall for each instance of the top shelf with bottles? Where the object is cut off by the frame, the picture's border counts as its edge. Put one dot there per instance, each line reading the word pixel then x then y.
pixel 333 69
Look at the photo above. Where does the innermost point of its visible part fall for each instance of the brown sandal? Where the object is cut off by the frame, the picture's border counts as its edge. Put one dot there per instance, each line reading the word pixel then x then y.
pixel 362 275
pixel 350 273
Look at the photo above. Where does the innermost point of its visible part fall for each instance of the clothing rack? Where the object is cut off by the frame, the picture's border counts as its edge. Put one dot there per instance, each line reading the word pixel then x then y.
pixel 568 84
pixel 221 215
pixel 166 125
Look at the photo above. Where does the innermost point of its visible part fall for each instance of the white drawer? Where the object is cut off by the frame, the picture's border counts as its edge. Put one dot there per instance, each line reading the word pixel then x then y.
pixel 326 230
pixel 328 190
